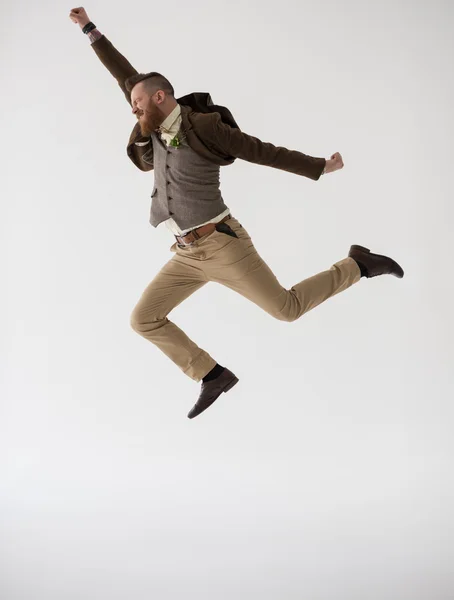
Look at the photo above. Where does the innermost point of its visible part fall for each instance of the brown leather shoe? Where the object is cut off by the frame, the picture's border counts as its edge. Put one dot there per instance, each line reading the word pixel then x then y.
pixel 211 390
pixel 375 264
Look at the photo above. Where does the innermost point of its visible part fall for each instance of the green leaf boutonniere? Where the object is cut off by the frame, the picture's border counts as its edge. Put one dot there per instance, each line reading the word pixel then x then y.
pixel 175 142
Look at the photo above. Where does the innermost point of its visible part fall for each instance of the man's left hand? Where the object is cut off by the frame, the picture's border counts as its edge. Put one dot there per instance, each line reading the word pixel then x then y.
pixel 334 163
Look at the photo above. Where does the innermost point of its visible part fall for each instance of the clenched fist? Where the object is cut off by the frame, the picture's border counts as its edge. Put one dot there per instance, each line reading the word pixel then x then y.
pixel 334 163
pixel 79 16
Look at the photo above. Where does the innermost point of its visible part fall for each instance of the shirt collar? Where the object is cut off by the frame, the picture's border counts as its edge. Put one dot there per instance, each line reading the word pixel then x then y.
pixel 171 118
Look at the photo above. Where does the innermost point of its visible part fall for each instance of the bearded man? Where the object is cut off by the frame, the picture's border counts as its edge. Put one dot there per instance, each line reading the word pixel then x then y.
pixel 185 141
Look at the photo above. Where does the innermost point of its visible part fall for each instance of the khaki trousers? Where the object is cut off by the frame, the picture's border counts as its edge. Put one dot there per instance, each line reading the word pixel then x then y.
pixel 235 263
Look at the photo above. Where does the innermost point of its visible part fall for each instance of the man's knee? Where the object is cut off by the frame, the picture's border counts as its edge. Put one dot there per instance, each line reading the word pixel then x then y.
pixel 284 316
pixel 284 307
pixel 136 321
pixel 144 321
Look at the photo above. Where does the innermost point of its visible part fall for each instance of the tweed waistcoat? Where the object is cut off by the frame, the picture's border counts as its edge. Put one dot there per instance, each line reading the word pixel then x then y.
pixel 186 185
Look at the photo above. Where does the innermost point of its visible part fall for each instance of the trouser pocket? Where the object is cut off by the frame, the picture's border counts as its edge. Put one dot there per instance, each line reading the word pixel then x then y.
pixel 224 228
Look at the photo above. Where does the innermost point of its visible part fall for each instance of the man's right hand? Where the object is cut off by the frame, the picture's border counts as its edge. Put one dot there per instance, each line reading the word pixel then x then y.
pixel 79 16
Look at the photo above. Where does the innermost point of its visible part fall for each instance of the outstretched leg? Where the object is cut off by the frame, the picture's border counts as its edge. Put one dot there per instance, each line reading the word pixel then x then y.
pixel 239 267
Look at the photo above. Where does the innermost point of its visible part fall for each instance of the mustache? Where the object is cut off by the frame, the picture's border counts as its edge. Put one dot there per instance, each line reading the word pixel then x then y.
pixel 148 115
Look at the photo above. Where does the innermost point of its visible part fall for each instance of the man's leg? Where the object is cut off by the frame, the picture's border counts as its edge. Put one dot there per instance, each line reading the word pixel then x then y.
pixel 238 266
pixel 228 256
pixel 175 282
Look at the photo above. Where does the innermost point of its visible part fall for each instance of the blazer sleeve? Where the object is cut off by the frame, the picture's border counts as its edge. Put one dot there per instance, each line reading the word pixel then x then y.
pixel 114 62
pixel 234 142
pixel 141 156
pixel 121 69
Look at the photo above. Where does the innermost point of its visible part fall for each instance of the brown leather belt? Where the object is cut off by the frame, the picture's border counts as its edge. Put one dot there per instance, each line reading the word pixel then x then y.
pixel 189 238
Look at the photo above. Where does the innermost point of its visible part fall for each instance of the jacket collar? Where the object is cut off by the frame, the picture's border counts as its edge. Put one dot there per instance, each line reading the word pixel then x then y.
pixel 185 112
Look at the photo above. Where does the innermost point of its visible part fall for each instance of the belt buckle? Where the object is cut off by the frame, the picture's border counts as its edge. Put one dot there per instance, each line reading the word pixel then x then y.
pixel 183 245
pixel 196 235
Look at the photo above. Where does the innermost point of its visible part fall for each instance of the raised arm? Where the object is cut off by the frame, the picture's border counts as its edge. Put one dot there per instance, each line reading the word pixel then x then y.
pixel 114 62
pixel 139 149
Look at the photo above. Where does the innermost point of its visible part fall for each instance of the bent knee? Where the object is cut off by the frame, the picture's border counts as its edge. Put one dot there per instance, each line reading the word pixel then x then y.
pixel 142 321
pixel 285 317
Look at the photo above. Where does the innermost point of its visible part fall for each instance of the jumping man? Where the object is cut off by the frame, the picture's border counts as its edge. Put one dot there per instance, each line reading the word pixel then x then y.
pixel 186 141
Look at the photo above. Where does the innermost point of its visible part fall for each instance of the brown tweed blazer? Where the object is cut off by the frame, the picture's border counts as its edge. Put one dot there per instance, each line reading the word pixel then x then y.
pixel 210 129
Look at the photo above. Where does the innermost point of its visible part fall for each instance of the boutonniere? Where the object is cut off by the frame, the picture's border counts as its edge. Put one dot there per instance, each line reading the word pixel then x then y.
pixel 175 142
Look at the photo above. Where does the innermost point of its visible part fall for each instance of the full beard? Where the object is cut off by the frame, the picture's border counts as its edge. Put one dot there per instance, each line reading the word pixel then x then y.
pixel 151 118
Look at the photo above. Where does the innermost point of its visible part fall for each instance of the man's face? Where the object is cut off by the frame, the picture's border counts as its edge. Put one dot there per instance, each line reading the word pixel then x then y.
pixel 146 109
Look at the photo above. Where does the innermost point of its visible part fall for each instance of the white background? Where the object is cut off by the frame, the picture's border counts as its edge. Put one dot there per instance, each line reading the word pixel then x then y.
pixel 326 473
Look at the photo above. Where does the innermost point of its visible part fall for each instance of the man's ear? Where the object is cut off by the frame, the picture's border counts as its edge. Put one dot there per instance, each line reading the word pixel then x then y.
pixel 160 96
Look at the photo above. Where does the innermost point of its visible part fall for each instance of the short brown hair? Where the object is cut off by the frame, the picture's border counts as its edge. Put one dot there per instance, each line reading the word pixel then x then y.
pixel 156 82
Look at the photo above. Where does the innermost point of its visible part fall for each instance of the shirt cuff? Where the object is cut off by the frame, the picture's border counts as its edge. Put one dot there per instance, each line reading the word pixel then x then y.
pixel 94 36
